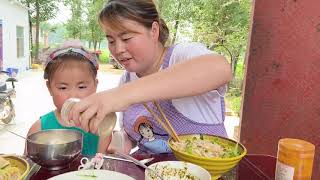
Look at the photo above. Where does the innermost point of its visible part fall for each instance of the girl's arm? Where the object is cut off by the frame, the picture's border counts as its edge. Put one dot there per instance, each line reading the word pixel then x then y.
pixel 36 127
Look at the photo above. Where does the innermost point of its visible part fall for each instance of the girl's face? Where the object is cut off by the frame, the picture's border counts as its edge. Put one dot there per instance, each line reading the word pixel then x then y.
pixel 72 80
pixel 134 46
pixel 146 132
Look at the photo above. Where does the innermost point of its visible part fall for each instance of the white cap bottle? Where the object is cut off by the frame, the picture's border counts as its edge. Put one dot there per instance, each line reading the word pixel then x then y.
pixel 105 127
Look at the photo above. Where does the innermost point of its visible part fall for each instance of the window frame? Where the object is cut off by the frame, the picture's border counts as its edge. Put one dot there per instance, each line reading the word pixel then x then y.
pixel 20 41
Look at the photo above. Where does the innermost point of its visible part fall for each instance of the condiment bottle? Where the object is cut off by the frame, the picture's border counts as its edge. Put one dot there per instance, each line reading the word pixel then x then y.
pixel 105 127
pixel 294 159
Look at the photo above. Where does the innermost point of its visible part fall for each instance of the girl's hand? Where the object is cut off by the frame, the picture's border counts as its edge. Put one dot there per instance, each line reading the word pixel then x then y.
pixel 90 111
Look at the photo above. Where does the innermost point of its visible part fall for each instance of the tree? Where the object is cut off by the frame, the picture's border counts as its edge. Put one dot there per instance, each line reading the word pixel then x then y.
pixel 177 14
pixel 84 22
pixel 75 25
pixel 225 24
pixel 39 11
pixel 222 25
pixel 95 34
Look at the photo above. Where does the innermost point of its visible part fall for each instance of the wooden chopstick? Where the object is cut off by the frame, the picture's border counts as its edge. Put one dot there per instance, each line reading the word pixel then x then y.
pixel 165 124
pixel 166 120
pixel 159 120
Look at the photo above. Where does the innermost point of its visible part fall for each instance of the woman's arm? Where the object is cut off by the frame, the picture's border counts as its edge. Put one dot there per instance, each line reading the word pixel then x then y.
pixel 198 75
pixel 189 78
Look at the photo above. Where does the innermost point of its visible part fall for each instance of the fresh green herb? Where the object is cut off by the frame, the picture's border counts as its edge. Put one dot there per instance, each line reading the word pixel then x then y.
pixel 231 153
pixel 188 142
pixel 201 136
pixel 189 148
pixel 89 176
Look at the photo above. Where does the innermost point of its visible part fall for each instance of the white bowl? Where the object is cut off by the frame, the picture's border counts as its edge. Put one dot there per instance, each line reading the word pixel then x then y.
pixel 177 170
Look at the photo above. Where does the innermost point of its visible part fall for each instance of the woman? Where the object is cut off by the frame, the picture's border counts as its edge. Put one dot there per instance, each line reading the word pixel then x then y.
pixel 188 80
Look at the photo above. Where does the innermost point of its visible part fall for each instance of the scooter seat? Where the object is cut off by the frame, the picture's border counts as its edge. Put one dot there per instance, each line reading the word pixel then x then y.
pixel 11 79
pixel 3 87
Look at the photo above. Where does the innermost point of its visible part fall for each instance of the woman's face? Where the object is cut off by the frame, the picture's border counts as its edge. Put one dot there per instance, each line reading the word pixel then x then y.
pixel 134 46
pixel 74 80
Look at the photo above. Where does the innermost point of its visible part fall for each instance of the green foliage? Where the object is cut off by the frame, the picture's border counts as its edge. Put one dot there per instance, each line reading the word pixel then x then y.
pixel 57 35
pixel 234 103
pixel 39 11
pixel 75 25
pixel 47 9
pixel 104 57
pixel 95 34
pixel 84 23
pixel 33 49
pixel 222 25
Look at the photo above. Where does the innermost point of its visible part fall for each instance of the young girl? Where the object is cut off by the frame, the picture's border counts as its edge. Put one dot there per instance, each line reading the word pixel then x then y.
pixel 70 72
pixel 187 79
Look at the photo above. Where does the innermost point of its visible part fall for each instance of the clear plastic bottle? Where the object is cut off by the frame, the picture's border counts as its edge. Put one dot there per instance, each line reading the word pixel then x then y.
pixel 294 159
pixel 105 127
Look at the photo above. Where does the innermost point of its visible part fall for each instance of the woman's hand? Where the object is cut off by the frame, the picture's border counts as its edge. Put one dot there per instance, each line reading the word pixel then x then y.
pixel 90 111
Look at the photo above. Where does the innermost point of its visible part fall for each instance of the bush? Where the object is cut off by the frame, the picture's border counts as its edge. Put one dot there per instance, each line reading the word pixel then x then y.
pixel 104 56
pixel 234 103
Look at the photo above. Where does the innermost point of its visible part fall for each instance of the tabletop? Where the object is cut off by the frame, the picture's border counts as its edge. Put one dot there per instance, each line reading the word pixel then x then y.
pixel 251 167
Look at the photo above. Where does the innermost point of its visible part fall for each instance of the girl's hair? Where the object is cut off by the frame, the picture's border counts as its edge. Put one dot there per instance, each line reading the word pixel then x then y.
pixel 60 57
pixel 141 11
pixel 145 125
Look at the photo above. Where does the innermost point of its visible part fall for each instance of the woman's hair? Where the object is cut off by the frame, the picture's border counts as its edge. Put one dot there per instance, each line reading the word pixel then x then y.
pixel 141 11
pixel 60 58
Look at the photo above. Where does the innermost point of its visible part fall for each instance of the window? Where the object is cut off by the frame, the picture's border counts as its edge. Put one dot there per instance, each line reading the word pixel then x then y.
pixel 20 43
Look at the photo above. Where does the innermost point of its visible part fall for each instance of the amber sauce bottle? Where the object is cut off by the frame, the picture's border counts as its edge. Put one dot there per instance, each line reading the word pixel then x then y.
pixel 294 159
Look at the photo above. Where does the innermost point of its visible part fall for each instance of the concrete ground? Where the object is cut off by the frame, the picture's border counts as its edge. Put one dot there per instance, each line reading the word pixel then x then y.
pixel 33 100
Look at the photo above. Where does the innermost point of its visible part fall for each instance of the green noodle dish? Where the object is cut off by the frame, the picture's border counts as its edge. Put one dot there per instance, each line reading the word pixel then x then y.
pixel 207 146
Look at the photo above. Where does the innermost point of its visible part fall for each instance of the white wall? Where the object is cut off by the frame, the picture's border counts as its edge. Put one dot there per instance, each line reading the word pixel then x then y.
pixel 13 14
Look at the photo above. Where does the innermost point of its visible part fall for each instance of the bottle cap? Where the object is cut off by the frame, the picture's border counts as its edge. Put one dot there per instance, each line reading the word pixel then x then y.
pixel 66 107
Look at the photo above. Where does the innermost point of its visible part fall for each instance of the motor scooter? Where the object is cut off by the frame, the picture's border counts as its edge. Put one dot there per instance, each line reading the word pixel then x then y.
pixel 7 111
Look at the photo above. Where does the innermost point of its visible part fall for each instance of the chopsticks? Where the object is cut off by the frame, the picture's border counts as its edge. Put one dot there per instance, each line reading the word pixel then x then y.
pixel 164 122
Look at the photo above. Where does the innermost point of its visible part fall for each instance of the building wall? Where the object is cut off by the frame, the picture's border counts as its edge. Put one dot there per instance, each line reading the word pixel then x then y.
pixel 281 97
pixel 13 14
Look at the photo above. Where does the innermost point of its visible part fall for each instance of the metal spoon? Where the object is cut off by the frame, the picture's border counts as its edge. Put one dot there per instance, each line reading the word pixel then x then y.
pixel 137 162
pixel 144 161
pixel 27 139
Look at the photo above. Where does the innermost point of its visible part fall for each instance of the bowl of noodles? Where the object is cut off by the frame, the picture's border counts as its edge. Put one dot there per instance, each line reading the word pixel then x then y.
pixel 216 154
pixel 177 170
